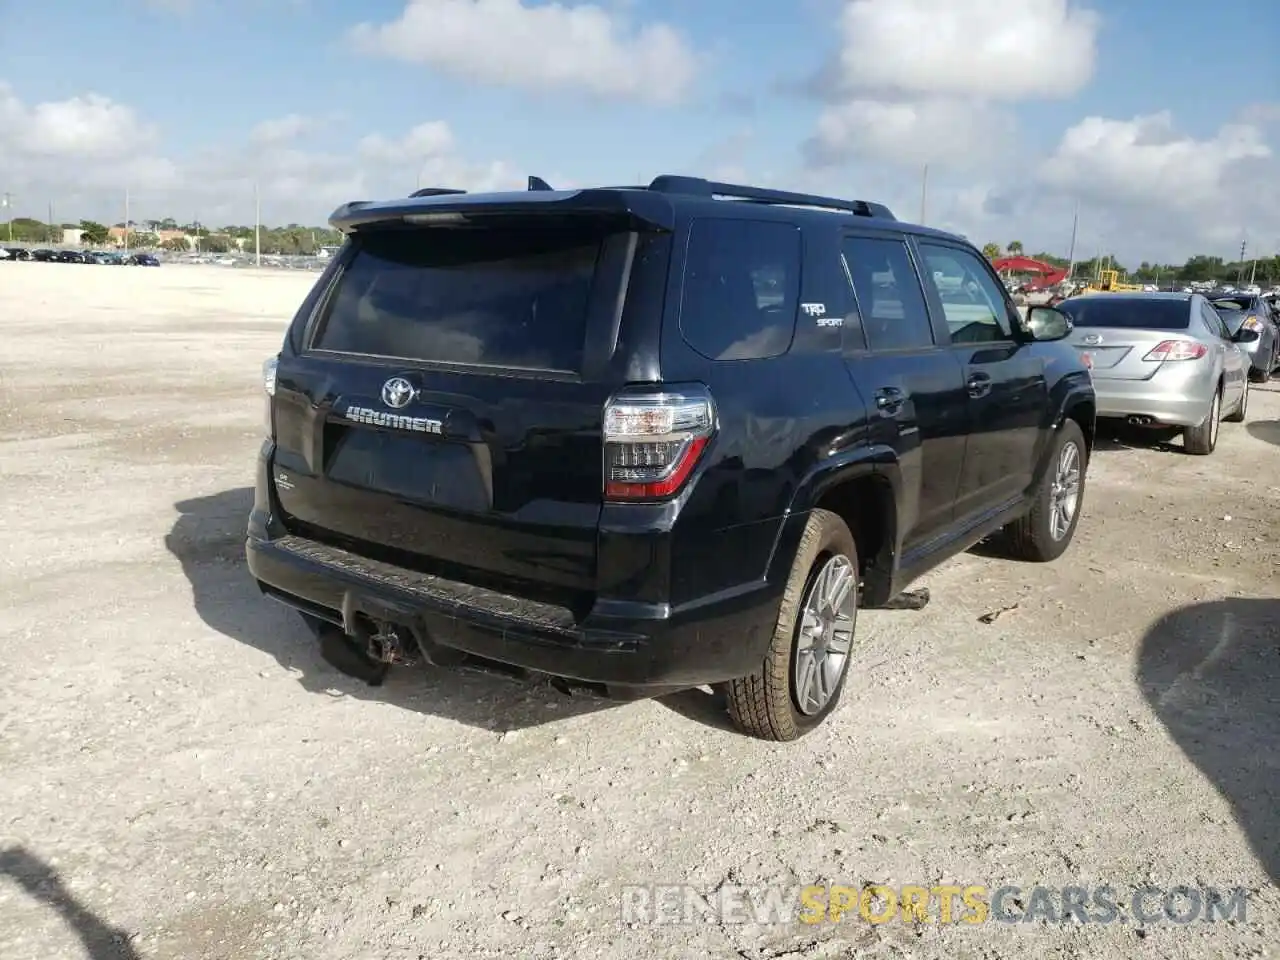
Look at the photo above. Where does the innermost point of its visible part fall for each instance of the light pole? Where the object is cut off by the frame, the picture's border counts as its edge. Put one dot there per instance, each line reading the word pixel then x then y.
pixel 257 226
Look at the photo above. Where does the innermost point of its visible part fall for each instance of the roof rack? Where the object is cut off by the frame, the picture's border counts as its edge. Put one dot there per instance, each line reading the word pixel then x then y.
pixel 698 187
pixel 435 192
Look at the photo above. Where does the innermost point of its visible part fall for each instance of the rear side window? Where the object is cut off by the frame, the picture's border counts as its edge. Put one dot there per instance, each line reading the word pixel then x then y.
pixel 890 299
pixel 1109 310
pixel 510 296
pixel 741 288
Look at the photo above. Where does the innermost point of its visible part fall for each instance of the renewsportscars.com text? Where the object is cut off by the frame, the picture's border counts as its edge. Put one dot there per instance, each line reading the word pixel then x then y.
pixel 675 904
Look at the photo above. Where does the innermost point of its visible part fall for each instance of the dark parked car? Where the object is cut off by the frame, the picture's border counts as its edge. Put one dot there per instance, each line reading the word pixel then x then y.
pixel 1244 311
pixel 645 438
pixel 44 256
pixel 144 260
pixel 18 253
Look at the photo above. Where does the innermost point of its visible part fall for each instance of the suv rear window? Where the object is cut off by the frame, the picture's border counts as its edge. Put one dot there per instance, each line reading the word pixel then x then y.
pixel 508 295
pixel 1109 310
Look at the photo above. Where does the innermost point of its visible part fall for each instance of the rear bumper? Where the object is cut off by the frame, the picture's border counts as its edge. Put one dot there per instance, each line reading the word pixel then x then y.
pixel 650 647
pixel 1184 407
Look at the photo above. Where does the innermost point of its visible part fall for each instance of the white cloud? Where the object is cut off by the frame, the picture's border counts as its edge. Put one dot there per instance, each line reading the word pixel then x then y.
pixel 90 126
pixel 1146 160
pixel 917 81
pixel 1159 188
pixel 1020 50
pixel 968 134
pixel 423 142
pixel 553 46
pixel 83 153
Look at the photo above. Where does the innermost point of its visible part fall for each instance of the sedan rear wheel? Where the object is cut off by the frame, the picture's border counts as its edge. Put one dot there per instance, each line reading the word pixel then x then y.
pixel 1202 439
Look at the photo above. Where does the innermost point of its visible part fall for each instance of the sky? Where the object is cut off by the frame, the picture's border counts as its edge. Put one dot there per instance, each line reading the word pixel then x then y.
pixel 1158 119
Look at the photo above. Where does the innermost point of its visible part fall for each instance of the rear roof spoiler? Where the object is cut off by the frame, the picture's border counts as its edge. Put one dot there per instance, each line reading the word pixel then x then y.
pixel 651 204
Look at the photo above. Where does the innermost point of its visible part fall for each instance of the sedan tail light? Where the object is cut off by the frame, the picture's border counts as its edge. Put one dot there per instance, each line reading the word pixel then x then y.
pixel 652 442
pixel 1177 350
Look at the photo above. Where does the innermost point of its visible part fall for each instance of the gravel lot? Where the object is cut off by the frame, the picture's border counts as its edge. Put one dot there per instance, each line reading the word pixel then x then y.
pixel 182 777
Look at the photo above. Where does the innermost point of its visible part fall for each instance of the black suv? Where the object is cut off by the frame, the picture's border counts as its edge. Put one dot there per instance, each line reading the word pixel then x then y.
pixel 648 438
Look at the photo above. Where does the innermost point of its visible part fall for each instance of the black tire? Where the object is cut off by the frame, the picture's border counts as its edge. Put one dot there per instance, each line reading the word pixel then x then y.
pixel 1036 537
pixel 1242 409
pixel 1202 439
pixel 1260 376
pixel 764 704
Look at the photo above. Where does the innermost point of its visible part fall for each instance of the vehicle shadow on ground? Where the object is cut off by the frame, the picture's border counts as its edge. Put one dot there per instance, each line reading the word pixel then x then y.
pixel 1211 673
pixel 1115 437
pixel 1268 431
pixel 42 883
pixel 207 539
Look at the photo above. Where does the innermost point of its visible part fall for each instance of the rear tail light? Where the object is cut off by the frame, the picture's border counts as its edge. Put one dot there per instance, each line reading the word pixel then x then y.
pixel 269 387
pixel 652 442
pixel 1177 350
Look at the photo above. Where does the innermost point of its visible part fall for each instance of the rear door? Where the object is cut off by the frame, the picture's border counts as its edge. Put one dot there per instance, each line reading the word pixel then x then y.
pixel 1005 383
pixel 1117 332
pixel 913 386
pixel 444 410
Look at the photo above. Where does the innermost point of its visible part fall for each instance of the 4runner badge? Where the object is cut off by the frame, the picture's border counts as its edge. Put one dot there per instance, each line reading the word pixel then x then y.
pixel 392 421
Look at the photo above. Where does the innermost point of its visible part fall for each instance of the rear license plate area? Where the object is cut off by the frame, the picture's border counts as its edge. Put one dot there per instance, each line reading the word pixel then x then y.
pixel 424 469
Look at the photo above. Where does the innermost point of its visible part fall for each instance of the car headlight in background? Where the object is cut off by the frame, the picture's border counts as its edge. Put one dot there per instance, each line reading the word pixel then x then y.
pixel 269 387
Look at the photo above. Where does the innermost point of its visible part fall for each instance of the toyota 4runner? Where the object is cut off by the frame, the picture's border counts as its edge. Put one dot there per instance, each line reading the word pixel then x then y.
pixel 648 438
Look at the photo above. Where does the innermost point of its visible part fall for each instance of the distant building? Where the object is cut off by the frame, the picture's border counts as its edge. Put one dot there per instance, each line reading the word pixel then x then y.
pixel 71 237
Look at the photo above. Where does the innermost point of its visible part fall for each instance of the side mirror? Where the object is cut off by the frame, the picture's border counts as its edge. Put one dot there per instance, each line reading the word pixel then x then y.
pixel 1245 335
pixel 1047 323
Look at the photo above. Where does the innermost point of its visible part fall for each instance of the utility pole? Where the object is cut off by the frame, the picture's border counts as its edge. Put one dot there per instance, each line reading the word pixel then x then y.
pixel 257 226
pixel 1071 252
pixel 924 191
pixel 1244 245
pixel 51 223
pixel 126 221
pixel 8 210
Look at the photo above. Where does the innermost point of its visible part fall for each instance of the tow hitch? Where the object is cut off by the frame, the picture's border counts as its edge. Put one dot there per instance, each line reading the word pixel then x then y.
pixel 387 643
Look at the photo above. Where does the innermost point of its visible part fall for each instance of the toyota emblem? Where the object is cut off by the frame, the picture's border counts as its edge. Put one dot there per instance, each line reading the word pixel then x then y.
pixel 397 393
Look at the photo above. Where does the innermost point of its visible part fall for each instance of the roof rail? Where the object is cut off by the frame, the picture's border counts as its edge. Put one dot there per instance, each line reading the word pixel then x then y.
pixel 435 192
pixel 698 187
pixel 537 183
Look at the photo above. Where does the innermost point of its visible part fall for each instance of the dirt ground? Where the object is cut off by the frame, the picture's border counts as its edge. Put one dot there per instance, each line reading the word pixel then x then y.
pixel 182 777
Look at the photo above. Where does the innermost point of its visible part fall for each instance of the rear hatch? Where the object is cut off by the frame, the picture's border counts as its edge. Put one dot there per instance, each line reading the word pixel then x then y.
pixel 1120 337
pixel 444 410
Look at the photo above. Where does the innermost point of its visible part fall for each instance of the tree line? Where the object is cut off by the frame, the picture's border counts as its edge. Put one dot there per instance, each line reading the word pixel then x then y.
pixel 292 239
pixel 1201 267
pixel 295 239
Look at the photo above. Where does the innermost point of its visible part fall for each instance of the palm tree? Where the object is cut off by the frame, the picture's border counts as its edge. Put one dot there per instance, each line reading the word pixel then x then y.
pixel 991 251
pixel 1015 248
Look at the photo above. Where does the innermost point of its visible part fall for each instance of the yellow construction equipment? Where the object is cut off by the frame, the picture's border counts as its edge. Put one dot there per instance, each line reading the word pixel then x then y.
pixel 1109 282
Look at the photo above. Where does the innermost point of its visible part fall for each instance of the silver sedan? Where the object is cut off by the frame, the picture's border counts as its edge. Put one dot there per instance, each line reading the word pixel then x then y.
pixel 1165 361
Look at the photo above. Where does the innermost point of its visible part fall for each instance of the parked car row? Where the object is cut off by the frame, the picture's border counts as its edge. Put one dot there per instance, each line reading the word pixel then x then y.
pixel 106 257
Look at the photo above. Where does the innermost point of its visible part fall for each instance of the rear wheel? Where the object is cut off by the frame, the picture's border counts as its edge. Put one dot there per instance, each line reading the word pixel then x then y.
pixel 1046 530
pixel 803 673
pixel 1242 410
pixel 1202 439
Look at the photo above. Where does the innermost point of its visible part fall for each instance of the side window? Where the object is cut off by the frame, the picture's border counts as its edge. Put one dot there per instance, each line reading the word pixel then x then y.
pixel 1214 320
pixel 741 288
pixel 972 302
pixel 890 301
